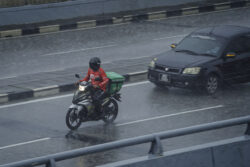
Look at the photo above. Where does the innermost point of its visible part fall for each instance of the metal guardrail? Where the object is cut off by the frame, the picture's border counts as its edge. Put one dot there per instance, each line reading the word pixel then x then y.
pixel 156 148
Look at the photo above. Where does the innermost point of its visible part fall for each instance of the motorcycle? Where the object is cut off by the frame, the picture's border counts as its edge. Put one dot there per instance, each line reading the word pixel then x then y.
pixel 83 108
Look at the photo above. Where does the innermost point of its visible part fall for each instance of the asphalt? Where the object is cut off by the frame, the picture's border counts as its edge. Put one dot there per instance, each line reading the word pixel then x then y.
pixel 149 110
pixel 55 82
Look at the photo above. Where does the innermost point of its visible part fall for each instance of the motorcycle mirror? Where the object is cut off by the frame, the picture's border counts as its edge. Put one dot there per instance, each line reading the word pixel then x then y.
pixel 77 75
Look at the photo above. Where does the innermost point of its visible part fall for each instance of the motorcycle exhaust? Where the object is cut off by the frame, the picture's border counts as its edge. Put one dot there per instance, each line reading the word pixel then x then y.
pixel 118 97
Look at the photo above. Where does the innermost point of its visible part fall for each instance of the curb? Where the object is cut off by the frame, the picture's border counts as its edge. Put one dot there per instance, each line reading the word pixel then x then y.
pixel 124 19
pixel 56 89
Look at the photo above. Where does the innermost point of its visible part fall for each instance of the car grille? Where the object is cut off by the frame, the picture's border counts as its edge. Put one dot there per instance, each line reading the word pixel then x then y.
pixel 170 69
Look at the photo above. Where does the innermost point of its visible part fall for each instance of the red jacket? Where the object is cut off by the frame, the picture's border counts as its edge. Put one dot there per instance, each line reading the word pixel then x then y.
pixel 93 74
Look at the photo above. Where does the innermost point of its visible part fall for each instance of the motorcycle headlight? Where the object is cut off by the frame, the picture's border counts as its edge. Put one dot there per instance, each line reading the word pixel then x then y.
pixel 81 88
pixel 192 70
pixel 152 63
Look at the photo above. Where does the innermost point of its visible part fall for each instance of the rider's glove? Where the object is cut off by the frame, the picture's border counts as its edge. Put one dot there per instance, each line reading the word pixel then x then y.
pixel 96 86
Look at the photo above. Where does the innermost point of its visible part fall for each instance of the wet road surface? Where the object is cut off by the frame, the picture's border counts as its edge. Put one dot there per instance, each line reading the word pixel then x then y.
pixel 62 50
pixel 35 128
pixel 144 109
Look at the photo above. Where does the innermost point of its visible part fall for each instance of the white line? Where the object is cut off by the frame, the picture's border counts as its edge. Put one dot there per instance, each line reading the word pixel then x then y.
pixel 8 77
pixel 58 97
pixel 78 50
pixel 47 87
pixel 177 36
pixel 134 58
pixel 138 72
pixel 19 144
pixel 135 84
pixel 171 115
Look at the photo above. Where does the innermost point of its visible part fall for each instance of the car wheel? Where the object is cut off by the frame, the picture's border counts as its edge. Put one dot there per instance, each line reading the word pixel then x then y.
pixel 212 84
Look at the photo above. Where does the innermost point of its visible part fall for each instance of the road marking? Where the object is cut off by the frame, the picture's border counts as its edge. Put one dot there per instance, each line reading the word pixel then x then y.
pixel 46 88
pixel 78 50
pixel 24 143
pixel 58 97
pixel 134 58
pixel 10 77
pixel 170 115
pixel 135 84
pixel 168 37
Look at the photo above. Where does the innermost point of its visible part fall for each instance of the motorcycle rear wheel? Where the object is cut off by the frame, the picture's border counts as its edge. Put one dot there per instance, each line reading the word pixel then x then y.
pixel 73 121
pixel 110 112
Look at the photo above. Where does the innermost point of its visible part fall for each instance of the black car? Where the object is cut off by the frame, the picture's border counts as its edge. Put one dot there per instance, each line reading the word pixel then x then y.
pixel 205 59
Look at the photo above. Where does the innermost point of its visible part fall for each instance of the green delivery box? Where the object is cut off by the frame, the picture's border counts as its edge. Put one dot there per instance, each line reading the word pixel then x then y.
pixel 115 82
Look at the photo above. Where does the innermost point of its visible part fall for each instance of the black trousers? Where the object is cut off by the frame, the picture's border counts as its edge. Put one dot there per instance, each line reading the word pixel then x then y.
pixel 98 96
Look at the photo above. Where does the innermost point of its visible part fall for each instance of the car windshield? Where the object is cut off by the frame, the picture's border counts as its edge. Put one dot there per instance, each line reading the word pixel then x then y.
pixel 200 45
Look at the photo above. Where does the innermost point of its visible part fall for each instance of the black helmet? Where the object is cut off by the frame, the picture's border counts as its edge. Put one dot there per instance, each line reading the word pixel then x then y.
pixel 95 63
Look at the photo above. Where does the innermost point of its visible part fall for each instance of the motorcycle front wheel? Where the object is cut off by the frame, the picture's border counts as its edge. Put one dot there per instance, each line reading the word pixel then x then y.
pixel 73 121
pixel 110 111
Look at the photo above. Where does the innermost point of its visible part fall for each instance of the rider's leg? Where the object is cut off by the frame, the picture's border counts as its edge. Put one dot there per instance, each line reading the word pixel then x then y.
pixel 97 99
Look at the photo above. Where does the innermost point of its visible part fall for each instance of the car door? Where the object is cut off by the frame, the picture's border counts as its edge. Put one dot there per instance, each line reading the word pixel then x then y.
pixel 243 56
pixel 234 68
pixel 246 57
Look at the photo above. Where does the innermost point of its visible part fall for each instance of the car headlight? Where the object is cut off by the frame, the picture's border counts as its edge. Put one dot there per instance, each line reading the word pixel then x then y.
pixel 81 88
pixel 192 70
pixel 152 63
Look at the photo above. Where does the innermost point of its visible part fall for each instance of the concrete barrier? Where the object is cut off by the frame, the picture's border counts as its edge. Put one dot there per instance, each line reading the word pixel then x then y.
pixel 226 153
pixel 232 155
pixel 108 4
pixel 55 17
pixel 81 8
pixel 62 87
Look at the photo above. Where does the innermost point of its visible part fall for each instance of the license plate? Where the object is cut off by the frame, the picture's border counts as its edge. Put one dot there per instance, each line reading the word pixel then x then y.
pixel 164 77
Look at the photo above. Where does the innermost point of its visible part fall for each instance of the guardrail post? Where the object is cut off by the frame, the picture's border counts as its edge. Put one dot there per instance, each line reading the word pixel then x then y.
pixel 248 129
pixel 156 148
pixel 51 163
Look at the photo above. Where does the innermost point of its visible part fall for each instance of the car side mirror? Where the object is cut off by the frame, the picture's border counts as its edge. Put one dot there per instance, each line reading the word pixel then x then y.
pixel 173 45
pixel 77 76
pixel 230 55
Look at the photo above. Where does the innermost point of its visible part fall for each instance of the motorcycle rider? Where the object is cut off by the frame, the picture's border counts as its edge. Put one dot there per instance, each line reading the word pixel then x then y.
pixel 98 79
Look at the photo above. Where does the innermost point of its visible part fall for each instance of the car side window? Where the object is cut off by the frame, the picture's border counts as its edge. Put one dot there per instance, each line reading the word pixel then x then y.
pixel 247 43
pixel 240 45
